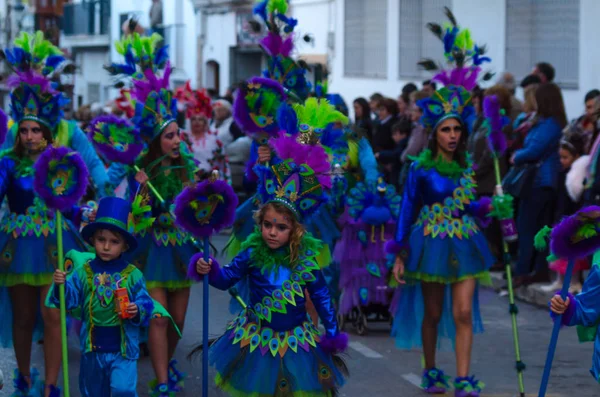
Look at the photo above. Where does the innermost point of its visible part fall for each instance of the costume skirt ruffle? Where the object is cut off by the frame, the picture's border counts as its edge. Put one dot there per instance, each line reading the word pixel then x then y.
pixel 31 259
pixel 254 360
pixel 364 272
pixel 447 260
pixel 163 266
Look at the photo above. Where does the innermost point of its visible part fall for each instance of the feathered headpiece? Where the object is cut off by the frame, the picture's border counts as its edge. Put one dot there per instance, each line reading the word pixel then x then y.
pixel 466 58
pixel 196 102
pixel 298 181
pixel 255 108
pixel 315 117
pixel 34 96
pixel 147 67
pixel 278 45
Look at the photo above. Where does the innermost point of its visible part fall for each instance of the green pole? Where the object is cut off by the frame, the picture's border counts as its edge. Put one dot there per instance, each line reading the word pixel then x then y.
pixel 63 308
pixel 520 366
pixel 150 186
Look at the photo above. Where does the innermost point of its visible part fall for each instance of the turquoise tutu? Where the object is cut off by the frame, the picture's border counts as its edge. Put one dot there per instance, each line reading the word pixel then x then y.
pixel 164 264
pixel 254 360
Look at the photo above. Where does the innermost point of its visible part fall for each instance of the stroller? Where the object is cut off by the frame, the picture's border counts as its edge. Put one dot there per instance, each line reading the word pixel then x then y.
pixel 368 223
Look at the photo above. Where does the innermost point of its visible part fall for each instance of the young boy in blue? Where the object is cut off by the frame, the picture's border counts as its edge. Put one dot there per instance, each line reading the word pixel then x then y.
pixel 109 337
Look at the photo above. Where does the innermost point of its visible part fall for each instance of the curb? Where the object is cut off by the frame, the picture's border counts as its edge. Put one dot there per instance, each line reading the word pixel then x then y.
pixel 531 294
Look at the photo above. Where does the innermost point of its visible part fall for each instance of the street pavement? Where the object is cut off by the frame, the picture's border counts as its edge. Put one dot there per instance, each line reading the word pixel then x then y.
pixel 377 368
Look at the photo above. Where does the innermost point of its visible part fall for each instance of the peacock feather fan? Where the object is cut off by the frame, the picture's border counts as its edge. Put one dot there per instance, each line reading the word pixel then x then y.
pixel 206 208
pixel 373 203
pixel 61 177
pixel 117 139
pixel 496 120
pixel 255 108
pixel 141 218
pixel 578 235
pixel 315 116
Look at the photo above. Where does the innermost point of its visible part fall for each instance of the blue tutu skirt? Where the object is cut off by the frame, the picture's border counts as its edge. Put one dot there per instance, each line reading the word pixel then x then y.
pixel 163 265
pixel 438 260
pixel 254 360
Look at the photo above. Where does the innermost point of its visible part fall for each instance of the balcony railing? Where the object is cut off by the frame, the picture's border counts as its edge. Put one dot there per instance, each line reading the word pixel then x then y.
pixel 87 18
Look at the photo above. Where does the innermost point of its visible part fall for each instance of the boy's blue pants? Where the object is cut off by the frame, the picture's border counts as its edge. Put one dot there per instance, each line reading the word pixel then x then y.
pixel 107 374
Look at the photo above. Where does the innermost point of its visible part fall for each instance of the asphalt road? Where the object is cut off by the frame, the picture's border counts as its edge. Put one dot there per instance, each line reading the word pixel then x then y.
pixel 379 369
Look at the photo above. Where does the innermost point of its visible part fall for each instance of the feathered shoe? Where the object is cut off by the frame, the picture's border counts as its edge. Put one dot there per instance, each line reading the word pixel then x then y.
pixel 161 389
pixel 176 378
pixel 21 384
pixel 467 386
pixel 54 391
pixel 434 381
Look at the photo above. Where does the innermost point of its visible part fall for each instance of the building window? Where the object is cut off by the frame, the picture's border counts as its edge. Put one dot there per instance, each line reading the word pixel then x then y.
pixel 416 41
pixel 93 93
pixel 365 38
pixel 543 31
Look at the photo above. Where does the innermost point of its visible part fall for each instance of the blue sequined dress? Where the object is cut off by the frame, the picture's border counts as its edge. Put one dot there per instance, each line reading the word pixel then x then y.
pixel 272 347
pixel 28 243
pixel 443 245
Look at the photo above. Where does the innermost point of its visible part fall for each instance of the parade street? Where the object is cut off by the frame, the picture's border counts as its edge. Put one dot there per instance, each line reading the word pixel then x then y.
pixel 377 368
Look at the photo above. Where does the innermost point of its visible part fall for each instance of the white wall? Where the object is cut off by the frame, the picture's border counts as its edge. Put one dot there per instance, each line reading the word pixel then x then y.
pixel 220 37
pixel 313 18
pixel 90 71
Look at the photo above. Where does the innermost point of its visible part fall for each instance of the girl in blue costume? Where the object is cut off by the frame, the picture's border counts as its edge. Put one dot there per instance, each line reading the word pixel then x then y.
pixel 28 242
pixel 443 255
pixel 164 250
pixel 272 347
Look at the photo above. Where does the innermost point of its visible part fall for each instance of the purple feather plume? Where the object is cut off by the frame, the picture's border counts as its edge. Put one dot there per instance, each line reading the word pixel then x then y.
pixel 334 344
pixel 313 155
pixel 492 112
pixel 463 76
pixel 223 215
pixel 3 126
pixel 46 175
pixel 30 78
pixel 143 88
pixel 562 240
pixel 275 45
pixel 118 152
pixel 193 275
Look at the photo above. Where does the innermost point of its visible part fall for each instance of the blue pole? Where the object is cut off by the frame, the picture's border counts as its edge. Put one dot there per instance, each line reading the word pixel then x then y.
pixel 555 331
pixel 205 287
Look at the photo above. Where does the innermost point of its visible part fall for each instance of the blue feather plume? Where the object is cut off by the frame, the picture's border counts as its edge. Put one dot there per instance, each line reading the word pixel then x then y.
pixel 287 118
pixel 260 9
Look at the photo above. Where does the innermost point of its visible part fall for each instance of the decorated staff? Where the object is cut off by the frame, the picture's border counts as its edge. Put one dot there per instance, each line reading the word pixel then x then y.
pixel 61 180
pixel 504 212
pixel 202 210
pixel 575 237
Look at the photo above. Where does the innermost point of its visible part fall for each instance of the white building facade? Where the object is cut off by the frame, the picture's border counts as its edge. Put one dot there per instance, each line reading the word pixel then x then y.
pixel 373 45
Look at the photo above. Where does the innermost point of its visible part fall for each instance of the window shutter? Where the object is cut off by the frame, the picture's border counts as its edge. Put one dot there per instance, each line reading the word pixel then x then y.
pixel 365 38
pixel 543 31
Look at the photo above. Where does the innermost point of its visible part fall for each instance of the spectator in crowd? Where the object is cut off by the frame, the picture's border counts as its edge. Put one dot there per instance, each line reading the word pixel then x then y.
pixel 507 80
pixel 587 121
pixel 388 115
pixel 529 80
pixel 545 72
pixel 227 130
pixel 418 136
pixel 400 133
pixel 429 87
pixel 536 207
pixel 404 98
pixel 524 121
pixel 374 101
pixel 362 117
pixel 477 100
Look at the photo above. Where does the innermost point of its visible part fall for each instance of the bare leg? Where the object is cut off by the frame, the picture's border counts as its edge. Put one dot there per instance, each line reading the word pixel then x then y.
pixel 157 335
pixel 24 304
pixel 462 310
pixel 178 303
pixel 433 297
pixel 52 341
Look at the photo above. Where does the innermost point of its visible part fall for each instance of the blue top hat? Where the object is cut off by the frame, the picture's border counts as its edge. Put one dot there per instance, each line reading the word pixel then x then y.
pixel 113 214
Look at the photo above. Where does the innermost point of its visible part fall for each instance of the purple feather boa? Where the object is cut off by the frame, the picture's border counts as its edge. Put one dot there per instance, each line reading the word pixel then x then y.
pixel 45 170
pixel 223 216
pixel 335 344
pixel 99 125
pixel 275 45
pixel 562 242
pixel 567 316
pixel 313 155
pixel 482 210
pixel 463 76
pixel 496 138
pixel 241 111
pixel 3 126
pixel 193 275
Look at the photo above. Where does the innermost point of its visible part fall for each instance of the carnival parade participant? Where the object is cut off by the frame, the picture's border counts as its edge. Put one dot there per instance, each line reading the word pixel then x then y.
pixel 163 250
pixel 442 255
pixel 208 150
pixel 28 241
pixel 109 337
pixel 279 260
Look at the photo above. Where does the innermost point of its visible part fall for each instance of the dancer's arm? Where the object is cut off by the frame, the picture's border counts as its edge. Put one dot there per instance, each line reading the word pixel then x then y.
pixel 141 298
pixel 319 294
pixel 81 144
pixel 405 220
pixel 73 289
pixel 220 278
pixel 584 309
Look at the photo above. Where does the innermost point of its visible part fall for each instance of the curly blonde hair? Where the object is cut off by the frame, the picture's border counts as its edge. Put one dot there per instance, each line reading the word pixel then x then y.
pixel 297 232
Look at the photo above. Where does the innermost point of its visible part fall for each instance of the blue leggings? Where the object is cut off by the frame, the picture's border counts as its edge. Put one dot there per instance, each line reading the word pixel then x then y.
pixel 107 375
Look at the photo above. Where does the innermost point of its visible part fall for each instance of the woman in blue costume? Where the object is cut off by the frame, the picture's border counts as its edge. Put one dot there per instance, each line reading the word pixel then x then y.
pixel 164 250
pixel 272 348
pixel 28 242
pixel 443 255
